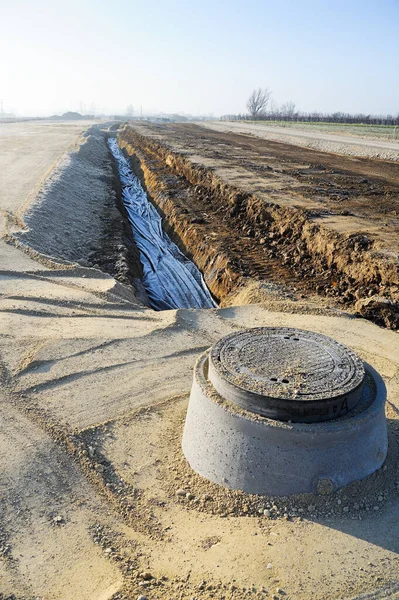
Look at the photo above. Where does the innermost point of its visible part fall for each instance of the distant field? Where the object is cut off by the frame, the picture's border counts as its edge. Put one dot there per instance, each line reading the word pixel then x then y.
pixel 384 132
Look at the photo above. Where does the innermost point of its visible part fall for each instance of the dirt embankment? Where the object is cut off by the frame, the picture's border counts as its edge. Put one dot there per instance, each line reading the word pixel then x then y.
pixel 235 237
pixel 76 216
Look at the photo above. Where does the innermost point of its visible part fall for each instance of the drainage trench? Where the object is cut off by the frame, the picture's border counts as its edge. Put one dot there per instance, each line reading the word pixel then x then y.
pixel 171 280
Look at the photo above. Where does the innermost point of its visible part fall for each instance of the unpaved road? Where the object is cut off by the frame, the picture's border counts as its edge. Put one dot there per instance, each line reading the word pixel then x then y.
pixel 328 142
pixel 28 152
pixel 94 389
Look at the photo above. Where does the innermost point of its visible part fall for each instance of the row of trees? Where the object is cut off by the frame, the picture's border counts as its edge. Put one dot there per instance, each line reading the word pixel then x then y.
pixel 261 107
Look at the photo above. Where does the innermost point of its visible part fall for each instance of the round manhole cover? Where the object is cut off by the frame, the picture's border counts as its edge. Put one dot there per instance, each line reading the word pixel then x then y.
pixel 287 374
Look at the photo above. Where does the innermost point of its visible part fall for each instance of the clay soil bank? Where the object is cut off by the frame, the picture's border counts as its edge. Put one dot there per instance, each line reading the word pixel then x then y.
pixel 266 219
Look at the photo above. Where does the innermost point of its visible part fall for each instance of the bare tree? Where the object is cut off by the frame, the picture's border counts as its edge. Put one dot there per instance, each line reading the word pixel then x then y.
pixel 273 107
pixel 288 109
pixel 289 112
pixel 257 101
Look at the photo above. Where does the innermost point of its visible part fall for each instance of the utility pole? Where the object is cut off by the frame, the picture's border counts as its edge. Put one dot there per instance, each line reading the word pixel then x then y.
pixel 141 111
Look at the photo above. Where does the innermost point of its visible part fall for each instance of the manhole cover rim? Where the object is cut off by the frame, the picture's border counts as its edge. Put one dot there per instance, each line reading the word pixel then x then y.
pixel 222 377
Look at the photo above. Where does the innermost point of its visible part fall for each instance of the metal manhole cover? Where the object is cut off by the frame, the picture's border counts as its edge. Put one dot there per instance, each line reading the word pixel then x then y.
pixel 287 374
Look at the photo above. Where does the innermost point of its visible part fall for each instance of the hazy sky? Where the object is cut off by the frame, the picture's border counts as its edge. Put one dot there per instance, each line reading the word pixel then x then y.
pixel 198 57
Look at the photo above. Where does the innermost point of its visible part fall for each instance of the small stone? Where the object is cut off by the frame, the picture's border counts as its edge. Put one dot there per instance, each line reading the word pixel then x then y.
pixel 146 575
pixel 58 519
pixel 142 597
pixel 346 509
pixel 311 508
pixel 376 507
pixel 107 550
pixel 269 566
pixel 339 501
pixel 356 506
pixel 190 496
pixel 181 492
pixel 267 513
pixel 325 486
pixel 280 591
pixel 380 498
pixel 83 262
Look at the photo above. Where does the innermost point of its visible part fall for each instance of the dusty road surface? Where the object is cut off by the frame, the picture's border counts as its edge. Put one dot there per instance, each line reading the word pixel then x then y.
pixel 94 389
pixel 28 152
pixel 326 141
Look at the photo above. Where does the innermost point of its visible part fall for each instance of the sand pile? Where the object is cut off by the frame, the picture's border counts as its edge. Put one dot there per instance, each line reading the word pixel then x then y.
pixel 68 218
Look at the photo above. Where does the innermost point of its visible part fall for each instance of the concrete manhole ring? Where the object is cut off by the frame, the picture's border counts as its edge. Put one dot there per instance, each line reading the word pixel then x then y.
pixel 230 443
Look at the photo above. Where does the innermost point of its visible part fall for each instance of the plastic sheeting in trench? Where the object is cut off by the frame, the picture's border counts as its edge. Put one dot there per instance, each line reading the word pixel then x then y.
pixel 170 278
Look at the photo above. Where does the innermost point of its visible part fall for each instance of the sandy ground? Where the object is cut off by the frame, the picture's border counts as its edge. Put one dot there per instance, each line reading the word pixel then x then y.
pixel 29 151
pixel 66 219
pixel 94 389
pixel 325 141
